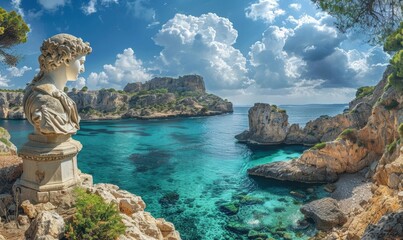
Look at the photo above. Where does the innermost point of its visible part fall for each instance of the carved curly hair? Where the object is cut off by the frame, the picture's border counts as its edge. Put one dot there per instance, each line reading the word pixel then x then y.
pixel 58 50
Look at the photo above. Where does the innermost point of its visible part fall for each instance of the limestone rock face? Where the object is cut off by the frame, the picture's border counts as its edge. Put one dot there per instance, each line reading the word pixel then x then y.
pixel 338 157
pixel 187 83
pixel 267 125
pixel 325 213
pixel 11 105
pixel 389 227
pixel 47 225
pixel 10 163
pixel 139 224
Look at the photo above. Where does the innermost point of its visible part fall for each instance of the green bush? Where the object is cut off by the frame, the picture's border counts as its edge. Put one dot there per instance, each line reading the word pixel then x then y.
pixel 400 129
pixel 94 219
pixel 84 89
pixel 364 91
pixel 391 147
pixel 348 134
pixel 319 146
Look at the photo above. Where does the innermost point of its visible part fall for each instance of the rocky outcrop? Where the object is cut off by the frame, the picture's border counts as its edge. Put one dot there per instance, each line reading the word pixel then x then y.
pixel 322 129
pixel 47 225
pixel 11 105
pixel 139 224
pixel 187 83
pixel 325 213
pixel 267 125
pixel 293 171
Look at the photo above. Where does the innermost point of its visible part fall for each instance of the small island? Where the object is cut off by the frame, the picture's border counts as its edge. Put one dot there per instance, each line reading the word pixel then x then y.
pixel 161 97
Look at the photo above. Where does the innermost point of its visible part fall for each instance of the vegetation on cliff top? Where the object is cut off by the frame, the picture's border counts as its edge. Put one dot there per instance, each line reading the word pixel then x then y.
pixel 94 219
pixel 364 91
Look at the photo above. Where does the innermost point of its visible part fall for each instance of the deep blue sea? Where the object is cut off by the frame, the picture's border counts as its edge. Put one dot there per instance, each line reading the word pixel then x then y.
pixel 186 168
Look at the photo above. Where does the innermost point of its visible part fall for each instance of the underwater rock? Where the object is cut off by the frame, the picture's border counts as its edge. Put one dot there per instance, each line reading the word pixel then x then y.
pixel 169 199
pixel 237 227
pixel 230 208
pixel 248 200
pixel 256 235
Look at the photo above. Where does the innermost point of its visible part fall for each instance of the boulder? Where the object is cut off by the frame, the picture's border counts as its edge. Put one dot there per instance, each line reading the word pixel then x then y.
pixel 47 225
pixel 293 171
pixel 325 213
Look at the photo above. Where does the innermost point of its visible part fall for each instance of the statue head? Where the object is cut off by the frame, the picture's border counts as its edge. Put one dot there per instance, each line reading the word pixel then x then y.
pixel 62 50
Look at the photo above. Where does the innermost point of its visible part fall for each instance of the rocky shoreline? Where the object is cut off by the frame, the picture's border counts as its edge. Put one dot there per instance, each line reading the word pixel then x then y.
pixel 163 97
pixel 360 150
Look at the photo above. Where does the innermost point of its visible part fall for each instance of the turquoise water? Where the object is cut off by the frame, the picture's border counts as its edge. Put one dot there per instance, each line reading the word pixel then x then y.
pixel 186 169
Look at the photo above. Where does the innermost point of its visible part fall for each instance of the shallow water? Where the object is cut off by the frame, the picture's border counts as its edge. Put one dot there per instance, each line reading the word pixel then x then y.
pixel 186 168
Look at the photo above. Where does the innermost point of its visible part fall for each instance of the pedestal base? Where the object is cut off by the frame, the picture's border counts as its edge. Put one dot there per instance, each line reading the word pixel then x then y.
pixel 49 168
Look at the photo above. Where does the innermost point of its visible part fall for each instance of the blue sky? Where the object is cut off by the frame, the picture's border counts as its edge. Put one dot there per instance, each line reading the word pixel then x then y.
pixel 282 52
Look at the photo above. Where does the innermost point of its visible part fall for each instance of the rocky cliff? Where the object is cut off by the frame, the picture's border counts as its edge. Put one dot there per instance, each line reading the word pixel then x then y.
pixel 158 98
pixel 187 83
pixel 357 141
pixel 322 129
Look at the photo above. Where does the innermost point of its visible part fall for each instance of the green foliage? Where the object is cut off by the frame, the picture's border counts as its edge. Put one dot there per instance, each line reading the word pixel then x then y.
pixel 319 146
pixel 348 134
pixel 375 18
pixel 364 91
pixel 394 42
pixel 391 147
pixel 84 89
pixel 400 129
pixel 389 105
pixel 5 141
pixel 13 30
pixel 74 90
pixel 94 219
pixel 66 89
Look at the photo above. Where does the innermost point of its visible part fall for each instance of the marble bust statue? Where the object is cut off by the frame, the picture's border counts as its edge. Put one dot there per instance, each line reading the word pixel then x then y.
pixel 50 155
pixel 47 107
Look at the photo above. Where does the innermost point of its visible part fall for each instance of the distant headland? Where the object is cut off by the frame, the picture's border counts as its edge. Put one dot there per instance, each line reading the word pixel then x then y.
pixel 161 97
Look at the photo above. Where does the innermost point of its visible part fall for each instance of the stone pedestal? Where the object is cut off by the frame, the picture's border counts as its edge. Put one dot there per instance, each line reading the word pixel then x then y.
pixel 49 167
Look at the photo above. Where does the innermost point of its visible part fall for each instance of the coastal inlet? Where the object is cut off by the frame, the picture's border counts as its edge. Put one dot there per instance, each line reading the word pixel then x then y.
pixel 192 172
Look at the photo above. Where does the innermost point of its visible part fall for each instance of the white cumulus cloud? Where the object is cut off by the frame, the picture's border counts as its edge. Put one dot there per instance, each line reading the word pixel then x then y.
pixel 18 72
pixel 295 6
pixel 3 81
pixel 202 45
pixel 125 69
pixel 311 52
pixel 52 4
pixel 266 10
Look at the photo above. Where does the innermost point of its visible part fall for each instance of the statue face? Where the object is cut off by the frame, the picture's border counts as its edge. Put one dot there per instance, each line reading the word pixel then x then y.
pixel 75 67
